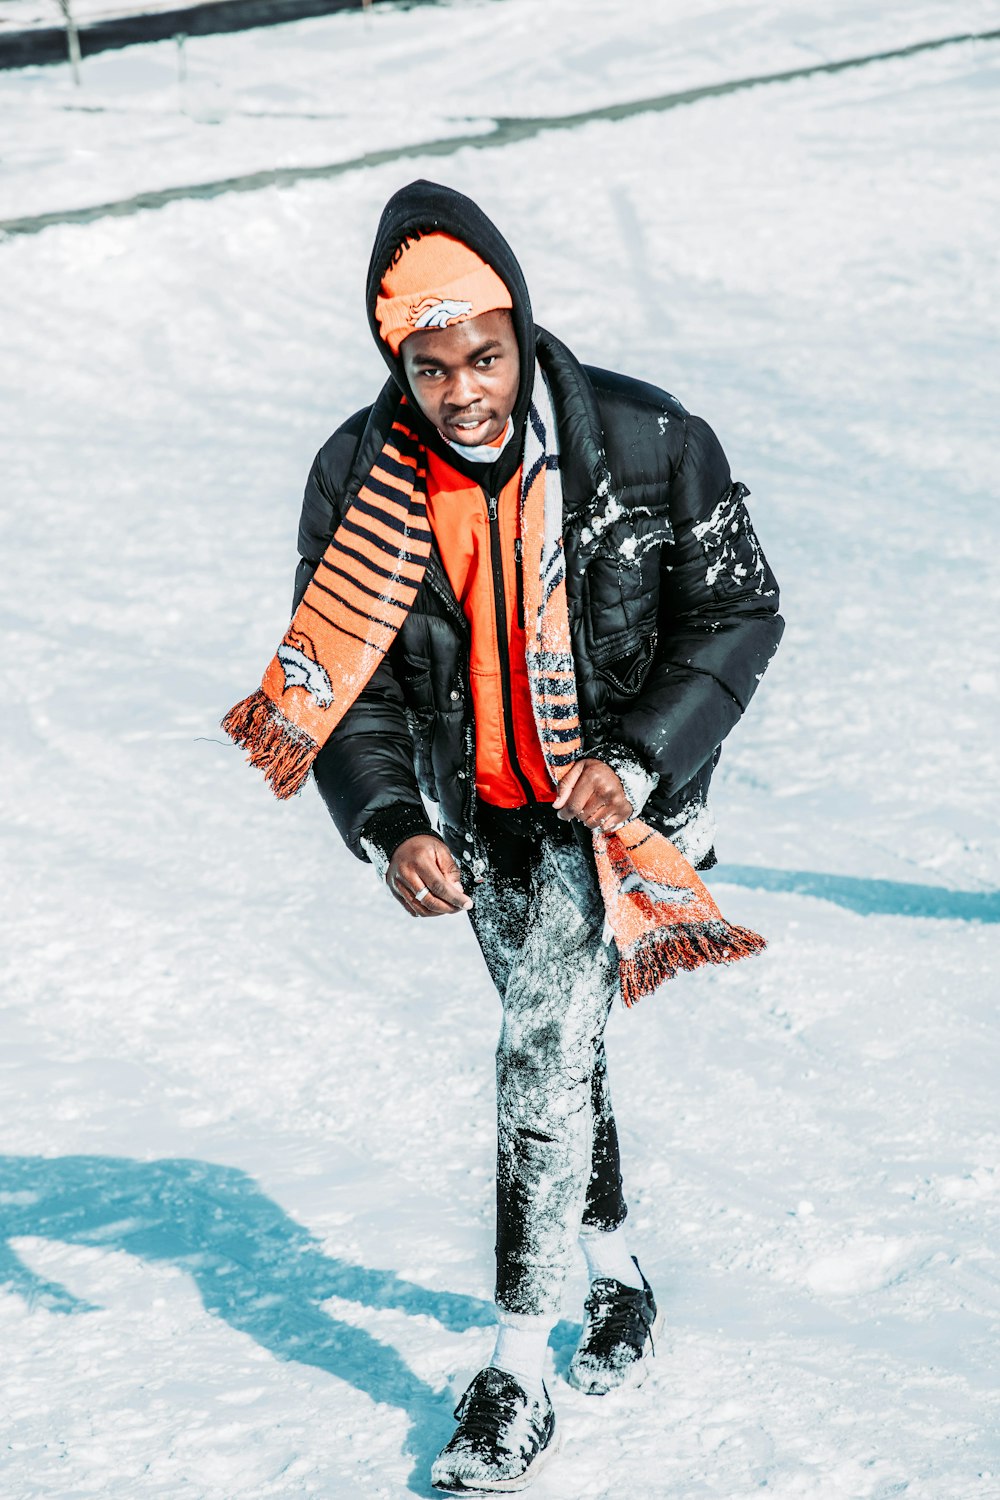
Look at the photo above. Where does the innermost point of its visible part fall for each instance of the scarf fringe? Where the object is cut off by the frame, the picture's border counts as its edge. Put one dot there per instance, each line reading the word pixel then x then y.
pixel 275 746
pixel 658 956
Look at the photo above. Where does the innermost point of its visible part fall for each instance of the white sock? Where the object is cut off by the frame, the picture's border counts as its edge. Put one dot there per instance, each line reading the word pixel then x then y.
pixel 522 1340
pixel 607 1255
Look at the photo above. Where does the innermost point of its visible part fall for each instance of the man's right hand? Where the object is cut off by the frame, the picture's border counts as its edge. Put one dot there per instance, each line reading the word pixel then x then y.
pixel 425 879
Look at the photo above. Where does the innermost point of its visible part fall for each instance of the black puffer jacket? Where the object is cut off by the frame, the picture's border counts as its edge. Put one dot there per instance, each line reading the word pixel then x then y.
pixel 673 609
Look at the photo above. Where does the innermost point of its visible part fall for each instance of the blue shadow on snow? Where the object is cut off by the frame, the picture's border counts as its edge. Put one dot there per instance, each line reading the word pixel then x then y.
pixel 254 1267
pixel 870 898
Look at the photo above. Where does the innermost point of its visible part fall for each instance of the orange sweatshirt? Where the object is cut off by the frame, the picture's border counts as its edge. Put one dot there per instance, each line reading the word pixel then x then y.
pixel 510 767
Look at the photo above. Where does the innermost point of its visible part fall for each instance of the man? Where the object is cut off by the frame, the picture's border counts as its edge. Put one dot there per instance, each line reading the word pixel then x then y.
pixel 531 591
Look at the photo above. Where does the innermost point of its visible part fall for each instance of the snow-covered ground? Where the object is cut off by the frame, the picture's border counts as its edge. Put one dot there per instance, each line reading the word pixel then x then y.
pixel 329 90
pixel 16 15
pixel 246 1104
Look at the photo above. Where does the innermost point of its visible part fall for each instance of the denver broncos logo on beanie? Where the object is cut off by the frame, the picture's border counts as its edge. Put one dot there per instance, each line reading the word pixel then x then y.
pixel 435 282
pixel 436 312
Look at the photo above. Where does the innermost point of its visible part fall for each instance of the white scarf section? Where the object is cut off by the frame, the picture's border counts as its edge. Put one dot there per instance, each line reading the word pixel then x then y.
pixel 484 453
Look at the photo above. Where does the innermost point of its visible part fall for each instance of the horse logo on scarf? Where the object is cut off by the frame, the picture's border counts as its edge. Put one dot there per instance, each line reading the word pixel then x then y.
pixel 655 890
pixel 297 656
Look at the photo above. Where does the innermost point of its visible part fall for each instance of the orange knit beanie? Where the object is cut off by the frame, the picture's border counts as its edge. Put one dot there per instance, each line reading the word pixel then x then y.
pixel 435 281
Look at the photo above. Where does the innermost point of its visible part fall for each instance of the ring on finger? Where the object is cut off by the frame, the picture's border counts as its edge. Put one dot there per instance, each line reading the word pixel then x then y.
pixel 422 894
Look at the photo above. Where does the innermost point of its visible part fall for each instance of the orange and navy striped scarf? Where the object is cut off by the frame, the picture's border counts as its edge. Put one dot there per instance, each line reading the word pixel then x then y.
pixel 361 593
pixel 658 911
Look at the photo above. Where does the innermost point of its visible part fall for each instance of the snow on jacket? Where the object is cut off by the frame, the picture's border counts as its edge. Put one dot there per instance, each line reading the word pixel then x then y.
pixel 672 606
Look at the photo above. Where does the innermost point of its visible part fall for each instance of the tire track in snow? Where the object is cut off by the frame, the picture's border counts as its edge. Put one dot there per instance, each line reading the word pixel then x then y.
pixel 504 132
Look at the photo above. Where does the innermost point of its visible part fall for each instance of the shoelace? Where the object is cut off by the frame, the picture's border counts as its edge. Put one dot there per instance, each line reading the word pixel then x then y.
pixel 617 1319
pixel 483 1414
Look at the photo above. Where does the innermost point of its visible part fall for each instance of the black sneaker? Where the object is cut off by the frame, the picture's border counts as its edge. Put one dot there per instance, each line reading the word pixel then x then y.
pixel 618 1337
pixel 503 1438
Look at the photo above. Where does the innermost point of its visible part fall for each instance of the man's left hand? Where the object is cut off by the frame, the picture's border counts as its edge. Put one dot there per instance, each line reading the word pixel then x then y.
pixel 592 792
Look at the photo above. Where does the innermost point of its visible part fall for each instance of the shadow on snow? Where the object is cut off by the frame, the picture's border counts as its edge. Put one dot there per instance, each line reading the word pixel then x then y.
pixel 254 1267
pixel 870 898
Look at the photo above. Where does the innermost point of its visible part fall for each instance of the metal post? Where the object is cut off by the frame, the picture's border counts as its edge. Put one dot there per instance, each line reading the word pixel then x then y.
pixel 72 39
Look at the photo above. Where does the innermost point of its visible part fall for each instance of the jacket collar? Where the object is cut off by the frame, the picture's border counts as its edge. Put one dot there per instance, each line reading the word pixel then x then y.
pixel 583 461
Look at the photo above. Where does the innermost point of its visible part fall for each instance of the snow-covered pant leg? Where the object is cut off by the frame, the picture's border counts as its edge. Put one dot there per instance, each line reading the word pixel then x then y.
pixel 540 924
pixel 605 1206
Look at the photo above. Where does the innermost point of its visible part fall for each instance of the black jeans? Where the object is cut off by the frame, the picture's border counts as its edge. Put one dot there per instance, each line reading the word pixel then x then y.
pixel 539 919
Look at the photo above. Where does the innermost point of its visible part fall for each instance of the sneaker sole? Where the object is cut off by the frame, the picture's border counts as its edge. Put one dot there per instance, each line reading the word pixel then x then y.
pixel 637 1372
pixel 508 1486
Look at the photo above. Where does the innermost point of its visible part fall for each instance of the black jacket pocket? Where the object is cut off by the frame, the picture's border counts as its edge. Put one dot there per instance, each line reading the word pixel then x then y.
pixel 626 673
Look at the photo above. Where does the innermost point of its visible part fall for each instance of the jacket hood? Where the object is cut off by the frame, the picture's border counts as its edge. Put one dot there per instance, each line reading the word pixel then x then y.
pixel 427 206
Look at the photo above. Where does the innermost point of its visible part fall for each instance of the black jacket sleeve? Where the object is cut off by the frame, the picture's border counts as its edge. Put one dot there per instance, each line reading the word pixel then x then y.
pixel 365 770
pixel 718 620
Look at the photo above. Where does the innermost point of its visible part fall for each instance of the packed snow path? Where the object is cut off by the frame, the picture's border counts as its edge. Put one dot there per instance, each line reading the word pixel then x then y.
pixel 246 1181
pixel 489 135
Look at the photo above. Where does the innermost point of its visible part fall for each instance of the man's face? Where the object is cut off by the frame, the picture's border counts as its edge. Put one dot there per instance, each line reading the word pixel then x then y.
pixel 465 378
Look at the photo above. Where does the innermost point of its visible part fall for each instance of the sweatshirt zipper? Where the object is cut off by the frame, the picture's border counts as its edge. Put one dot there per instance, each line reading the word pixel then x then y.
pixel 500 599
pixel 519 580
